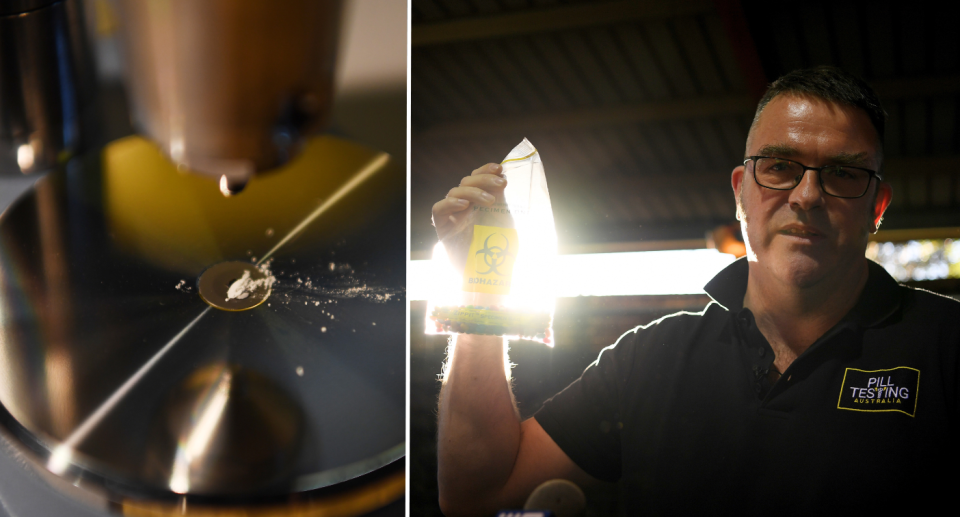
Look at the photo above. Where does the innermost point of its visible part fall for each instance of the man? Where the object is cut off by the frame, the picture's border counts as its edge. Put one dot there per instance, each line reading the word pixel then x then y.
pixel 812 382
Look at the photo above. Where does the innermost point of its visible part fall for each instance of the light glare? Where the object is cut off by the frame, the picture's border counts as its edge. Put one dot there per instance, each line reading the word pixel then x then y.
pixel 600 274
pixel 25 157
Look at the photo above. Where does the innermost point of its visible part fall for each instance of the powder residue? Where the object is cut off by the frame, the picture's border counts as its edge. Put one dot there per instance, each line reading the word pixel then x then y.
pixel 245 285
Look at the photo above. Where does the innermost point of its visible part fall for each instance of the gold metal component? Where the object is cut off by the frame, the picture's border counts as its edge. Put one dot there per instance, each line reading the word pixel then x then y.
pixel 215 284
pixel 355 502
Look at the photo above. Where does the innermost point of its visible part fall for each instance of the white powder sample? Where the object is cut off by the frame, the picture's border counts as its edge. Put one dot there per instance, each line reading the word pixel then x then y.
pixel 244 286
pixel 323 329
pixel 269 232
pixel 300 371
pixel 240 289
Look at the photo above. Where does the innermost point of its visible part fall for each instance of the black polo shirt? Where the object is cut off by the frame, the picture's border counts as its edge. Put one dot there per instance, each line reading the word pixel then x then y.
pixel 681 411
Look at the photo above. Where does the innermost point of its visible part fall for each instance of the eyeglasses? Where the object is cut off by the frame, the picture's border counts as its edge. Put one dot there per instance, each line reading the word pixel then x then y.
pixel 836 180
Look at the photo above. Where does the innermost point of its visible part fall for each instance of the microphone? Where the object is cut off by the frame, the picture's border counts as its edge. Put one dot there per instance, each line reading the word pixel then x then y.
pixel 554 498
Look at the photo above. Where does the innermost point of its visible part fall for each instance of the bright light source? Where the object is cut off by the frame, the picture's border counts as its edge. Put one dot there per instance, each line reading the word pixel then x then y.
pixel 601 274
pixel 60 459
pixel 25 157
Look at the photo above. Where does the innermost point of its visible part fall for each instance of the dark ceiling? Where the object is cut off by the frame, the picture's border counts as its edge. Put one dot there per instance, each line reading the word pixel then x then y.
pixel 640 108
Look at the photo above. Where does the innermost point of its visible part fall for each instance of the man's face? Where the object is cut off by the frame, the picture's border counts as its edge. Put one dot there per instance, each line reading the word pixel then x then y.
pixel 804 236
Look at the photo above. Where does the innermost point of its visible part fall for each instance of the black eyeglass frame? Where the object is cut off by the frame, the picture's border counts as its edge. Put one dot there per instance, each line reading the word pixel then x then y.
pixel 873 174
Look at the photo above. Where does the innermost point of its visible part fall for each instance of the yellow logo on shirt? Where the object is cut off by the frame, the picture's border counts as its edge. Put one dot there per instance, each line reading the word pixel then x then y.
pixel 894 389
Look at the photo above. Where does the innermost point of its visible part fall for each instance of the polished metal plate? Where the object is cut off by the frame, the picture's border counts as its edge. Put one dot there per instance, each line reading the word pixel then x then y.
pixel 115 372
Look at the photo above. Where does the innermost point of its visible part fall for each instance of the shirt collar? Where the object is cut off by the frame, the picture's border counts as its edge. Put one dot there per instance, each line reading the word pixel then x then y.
pixel 880 297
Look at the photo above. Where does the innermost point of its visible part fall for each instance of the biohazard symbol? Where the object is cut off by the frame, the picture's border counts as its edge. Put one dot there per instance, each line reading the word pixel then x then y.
pixel 494 256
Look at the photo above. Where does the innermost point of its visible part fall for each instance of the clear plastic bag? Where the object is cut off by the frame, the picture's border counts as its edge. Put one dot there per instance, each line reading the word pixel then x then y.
pixel 504 285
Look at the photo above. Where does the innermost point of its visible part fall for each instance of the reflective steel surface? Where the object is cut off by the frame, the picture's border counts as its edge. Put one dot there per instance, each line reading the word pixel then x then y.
pixel 230 87
pixel 116 373
pixel 47 108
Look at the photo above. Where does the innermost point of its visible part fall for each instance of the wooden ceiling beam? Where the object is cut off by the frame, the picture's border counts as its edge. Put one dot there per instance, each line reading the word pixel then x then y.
pixel 702 107
pixel 552 19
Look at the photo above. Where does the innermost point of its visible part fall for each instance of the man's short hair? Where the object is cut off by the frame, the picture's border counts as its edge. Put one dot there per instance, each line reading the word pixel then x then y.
pixel 831 84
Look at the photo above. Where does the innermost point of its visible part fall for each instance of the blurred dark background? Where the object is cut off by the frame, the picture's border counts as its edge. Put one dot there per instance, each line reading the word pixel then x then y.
pixel 640 110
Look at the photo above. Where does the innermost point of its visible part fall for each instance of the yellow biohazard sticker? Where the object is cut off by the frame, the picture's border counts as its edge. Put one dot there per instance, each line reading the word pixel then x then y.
pixel 490 260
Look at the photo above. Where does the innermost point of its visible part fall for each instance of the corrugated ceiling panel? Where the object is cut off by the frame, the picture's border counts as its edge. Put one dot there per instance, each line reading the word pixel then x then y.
pixel 511 76
pixel 916 186
pixel 694 48
pixel 946 44
pixel 678 206
pixel 734 134
pixel 719 43
pixel 457 8
pixel 538 73
pixel 498 87
pixel 664 45
pixel 622 75
pixel 689 153
pixel 639 55
pixel 561 68
pixel 893 141
pixel 515 4
pixel 660 207
pixel 663 146
pixel 723 202
pixel 454 104
pixel 940 190
pixel 647 159
pixel 698 204
pixel 640 207
pixel 591 68
pixel 788 47
pixel 708 137
pixel 464 83
pixel 845 20
pixel 427 11
pixel 815 35
pixel 486 7
pixel 915 126
pixel 881 52
pixel 434 105
pixel 944 125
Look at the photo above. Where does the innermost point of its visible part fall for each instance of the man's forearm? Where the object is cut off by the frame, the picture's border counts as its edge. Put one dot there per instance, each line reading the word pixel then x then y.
pixel 479 427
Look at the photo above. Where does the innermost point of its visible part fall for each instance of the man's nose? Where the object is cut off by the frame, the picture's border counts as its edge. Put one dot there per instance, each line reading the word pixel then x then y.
pixel 807 194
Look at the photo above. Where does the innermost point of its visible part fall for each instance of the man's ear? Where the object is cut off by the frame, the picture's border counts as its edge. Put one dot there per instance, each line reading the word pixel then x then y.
pixel 736 181
pixel 884 195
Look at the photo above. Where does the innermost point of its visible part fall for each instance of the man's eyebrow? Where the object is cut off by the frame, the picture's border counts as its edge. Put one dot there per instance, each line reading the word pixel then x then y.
pixel 844 158
pixel 841 158
pixel 778 150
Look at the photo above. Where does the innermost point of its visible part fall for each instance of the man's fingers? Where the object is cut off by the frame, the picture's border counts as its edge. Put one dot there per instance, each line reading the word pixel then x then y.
pixel 475 195
pixel 481 188
pixel 487 182
pixel 449 205
pixel 490 168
